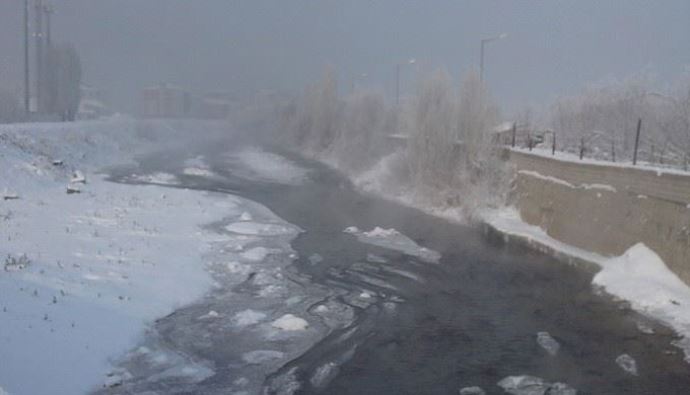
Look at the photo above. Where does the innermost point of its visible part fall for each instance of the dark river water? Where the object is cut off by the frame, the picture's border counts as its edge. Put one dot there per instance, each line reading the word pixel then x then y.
pixel 470 320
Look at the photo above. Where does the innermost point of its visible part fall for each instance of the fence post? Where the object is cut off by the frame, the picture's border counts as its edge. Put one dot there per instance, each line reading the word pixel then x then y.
pixel 582 147
pixel 685 166
pixel 651 155
pixel 553 147
pixel 514 132
pixel 637 140
pixel 613 151
pixel 529 140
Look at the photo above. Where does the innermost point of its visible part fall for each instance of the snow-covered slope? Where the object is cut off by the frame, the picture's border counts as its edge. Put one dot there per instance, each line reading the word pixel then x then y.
pixel 84 269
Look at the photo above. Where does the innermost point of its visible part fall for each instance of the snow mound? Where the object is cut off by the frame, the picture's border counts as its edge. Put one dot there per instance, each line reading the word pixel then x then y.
pixel 289 322
pixel 394 240
pixel 641 277
pixel 257 164
pixel 248 317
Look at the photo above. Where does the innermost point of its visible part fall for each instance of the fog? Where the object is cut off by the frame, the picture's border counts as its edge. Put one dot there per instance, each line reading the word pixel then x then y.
pixel 552 48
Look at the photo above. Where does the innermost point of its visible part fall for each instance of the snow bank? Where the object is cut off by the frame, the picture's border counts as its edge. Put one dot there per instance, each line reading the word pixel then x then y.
pixel 394 240
pixel 257 164
pixel 101 264
pixel 638 276
pixel 641 277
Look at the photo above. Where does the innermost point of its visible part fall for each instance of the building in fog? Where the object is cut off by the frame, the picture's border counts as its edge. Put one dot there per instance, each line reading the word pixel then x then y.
pixel 166 101
pixel 92 104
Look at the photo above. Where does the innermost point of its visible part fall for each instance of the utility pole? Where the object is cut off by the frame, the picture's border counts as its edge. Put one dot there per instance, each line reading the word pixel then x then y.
pixel 39 56
pixel 27 93
pixel 49 10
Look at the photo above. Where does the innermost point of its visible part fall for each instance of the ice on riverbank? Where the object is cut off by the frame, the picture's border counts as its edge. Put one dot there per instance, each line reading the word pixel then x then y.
pixel 394 240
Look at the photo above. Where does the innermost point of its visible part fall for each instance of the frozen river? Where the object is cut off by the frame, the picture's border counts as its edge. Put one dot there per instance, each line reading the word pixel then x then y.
pixel 334 292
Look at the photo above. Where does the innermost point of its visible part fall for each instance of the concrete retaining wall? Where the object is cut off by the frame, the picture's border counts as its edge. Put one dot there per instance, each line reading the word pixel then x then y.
pixel 607 208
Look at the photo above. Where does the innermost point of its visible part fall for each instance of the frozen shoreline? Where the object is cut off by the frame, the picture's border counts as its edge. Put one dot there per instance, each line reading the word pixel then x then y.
pixel 87 265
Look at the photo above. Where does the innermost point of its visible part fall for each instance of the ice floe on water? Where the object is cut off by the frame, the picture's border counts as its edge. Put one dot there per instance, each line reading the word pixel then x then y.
pixel 156 178
pixel 530 385
pixel 248 317
pixel 472 391
pixel 548 343
pixel 257 164
pixel 627 363
pixel 394 240
pixel 260 356
pixel 289 322
pixel 259 229
pixel 256 254
pixel 324 374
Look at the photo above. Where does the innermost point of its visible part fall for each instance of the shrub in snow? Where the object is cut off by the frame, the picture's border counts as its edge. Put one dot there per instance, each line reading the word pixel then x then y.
pixel 13 263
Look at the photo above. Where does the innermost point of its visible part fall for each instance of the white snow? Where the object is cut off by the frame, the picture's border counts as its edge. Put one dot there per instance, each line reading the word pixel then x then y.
pixel 289 322
pixel 394 240
pixel 104 263
pixel 602 187
pixel 638 276
pixel 257 164
pixel 472 391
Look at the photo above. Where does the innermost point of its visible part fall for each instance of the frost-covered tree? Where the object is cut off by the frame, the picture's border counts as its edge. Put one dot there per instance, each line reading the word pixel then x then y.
pixel 432 148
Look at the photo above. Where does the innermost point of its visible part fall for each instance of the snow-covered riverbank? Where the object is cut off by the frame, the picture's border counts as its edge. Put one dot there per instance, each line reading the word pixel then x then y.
pixel 88 264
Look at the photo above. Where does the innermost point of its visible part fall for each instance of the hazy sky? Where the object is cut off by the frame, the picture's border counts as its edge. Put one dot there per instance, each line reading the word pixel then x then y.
pixel 552 48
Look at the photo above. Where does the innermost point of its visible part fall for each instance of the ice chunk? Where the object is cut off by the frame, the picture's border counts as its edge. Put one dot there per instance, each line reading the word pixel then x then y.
pixel 472 391
pixel 530 385
pixel 248 317
pixel 324 374
pixel 548 343
pixel 9 195
pixel 627 363
pixel 260 356
pixel 209 315
pixel 197 171
pixel 289 322
pixel 394 240
pixel 258 229
pixel 256 254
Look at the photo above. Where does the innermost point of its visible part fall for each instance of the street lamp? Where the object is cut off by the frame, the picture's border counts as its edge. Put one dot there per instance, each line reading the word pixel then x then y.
pixel 397 79
pixel 481 53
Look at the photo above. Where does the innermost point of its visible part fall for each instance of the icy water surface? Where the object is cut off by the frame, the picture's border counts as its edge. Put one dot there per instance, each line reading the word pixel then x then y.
pixel 384 322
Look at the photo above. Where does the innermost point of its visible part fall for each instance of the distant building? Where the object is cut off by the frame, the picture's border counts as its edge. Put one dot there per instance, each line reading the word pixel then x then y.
pixel 214 106
pixel 92 104
pixel 166 101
